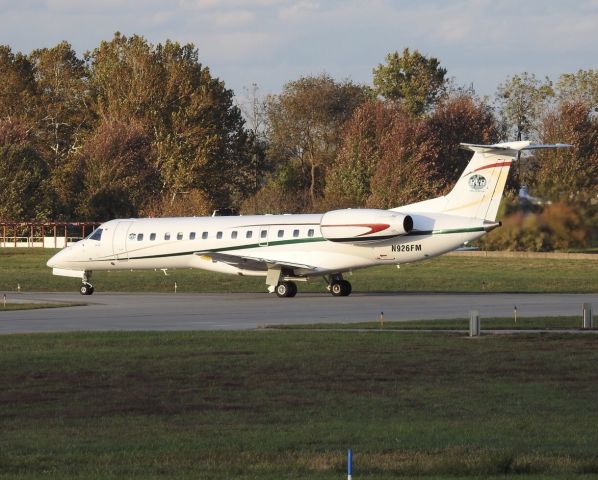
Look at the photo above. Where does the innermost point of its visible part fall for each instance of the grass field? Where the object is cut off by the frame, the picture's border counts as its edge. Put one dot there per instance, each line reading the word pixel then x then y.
pixel 26 267
pixel 35 306
pixel 522 323
pixel 287 404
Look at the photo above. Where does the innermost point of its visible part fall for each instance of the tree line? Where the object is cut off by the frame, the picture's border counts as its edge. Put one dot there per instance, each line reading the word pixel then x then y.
pixel 133 129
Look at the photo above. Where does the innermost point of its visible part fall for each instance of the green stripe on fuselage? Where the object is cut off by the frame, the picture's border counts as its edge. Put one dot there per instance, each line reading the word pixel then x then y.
pixel 296 241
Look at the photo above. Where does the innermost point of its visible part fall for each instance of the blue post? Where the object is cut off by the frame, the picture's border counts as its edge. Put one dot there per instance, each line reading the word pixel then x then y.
pixel 350 464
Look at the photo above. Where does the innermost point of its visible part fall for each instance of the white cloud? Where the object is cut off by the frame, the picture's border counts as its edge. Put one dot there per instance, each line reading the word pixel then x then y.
pixel 274 41
pixel 234 18
pixel 298 10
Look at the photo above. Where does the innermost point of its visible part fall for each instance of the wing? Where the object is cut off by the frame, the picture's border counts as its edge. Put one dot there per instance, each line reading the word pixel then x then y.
pixel 253 263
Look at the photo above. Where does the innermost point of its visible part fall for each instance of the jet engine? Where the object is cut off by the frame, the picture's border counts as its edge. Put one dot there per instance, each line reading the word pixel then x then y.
pixel 364 226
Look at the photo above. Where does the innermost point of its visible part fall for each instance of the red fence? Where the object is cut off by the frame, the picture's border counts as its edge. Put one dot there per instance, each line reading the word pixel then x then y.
pixel 43 234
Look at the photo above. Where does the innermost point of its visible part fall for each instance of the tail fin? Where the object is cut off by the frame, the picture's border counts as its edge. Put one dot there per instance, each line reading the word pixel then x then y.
pixel 479 190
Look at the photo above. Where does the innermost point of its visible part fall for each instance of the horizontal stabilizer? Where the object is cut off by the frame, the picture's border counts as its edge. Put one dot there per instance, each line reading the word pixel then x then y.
pixel 514 146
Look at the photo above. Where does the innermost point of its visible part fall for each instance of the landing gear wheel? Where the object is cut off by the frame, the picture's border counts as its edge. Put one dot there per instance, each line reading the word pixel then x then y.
pixel 86 289
pixel 286 289
pixel 340 288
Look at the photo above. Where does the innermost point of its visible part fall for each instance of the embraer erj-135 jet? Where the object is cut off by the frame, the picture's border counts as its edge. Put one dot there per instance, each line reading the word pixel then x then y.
pixel 290 248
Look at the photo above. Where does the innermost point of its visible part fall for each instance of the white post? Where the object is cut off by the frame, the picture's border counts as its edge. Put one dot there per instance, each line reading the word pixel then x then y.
pixel 587 316
pixel 474 323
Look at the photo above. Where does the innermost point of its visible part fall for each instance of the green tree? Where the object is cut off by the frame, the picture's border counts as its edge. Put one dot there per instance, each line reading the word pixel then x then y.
pixel 581 86
pixel 23 174
pixel 413 79
pixel 522 100
pixel 62 100
pixel 304 124
pixel 62 117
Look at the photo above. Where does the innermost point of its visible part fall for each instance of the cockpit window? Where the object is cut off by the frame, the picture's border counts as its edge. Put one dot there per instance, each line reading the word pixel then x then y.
pixel 96 234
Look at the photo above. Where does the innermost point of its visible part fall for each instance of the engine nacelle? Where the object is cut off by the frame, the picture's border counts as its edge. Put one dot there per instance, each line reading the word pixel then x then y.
pixel 361 225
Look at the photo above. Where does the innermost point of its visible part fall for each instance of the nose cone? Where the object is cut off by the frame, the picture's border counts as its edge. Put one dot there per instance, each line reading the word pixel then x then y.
pixel 55 261
pixel 52 262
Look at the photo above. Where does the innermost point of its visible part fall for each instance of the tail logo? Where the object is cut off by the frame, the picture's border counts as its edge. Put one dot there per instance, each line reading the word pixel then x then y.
pixel 477 182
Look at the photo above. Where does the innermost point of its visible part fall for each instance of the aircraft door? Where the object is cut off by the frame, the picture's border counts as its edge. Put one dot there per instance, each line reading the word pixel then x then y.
pixel 119 240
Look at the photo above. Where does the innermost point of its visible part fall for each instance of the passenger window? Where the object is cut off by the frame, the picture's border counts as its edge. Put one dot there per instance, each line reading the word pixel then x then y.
pixel 263 233
pixel 192 236
pixel 167 236
pixel 179 236
pixel 249 234
pixel 310 232
pixel 96 234
pixel 152 236
pixel 233 234
pixel 132 236
pixel 139 237
pixel 295 233
pixel 280 233
pixel 219 235
pixel 204 235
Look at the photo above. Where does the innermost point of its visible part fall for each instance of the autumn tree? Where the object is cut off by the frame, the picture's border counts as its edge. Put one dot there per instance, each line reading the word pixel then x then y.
pixel 388 157
pixel 348 180
pixel 569 174
pixel 413 79
pixel 197 133
pixel 115 170
pixel 304 124
pixel 17 88
pixel 406 171
pixel 458 118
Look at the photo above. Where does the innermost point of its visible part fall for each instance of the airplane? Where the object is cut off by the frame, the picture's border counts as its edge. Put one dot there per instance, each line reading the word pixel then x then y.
pixel 527 200
pixel 286 249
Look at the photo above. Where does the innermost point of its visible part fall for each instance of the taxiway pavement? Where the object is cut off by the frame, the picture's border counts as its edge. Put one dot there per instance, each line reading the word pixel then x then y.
pixel 143 311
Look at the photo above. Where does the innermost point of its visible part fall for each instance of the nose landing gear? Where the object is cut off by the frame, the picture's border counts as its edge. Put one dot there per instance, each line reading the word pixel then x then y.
pixel 86 288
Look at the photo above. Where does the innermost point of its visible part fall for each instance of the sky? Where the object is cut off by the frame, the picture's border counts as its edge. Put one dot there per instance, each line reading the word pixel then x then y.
pixel 271 42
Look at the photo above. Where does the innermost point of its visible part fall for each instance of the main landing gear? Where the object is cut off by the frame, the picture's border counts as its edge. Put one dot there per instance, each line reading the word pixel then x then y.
pixel 86 288
pixel 286 289
pixel 279 281
pixel 339 287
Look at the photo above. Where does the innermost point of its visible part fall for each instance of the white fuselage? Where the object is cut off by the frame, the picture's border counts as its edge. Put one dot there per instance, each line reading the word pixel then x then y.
pixel 168 243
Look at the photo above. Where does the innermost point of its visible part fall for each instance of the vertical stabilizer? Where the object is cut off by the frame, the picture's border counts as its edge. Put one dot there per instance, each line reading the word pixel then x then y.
pixel 479 190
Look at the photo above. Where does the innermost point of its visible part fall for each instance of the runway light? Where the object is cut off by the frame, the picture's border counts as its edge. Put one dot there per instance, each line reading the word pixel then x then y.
pixel 349 464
